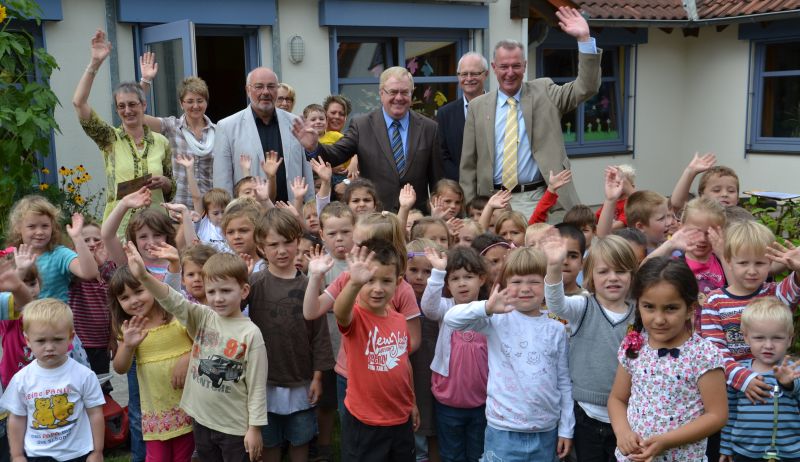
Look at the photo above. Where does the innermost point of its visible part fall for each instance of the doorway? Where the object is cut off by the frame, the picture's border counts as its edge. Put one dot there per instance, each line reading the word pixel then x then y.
pixel 222 63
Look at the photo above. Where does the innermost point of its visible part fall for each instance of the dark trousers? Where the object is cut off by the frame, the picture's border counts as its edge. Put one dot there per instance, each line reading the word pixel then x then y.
pixel 214 446
pixel 100 363
pixel 594 440
pixel 712 446
pixel 368 443
pixel 740 458
pixel 50 459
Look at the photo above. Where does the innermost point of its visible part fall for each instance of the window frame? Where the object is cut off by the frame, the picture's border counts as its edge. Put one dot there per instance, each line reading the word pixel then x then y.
pixel 756 143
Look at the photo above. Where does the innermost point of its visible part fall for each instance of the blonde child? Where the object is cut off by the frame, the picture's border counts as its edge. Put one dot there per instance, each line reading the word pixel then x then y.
pixel 34 222
pixel 192 261
pixel 470 229
pixel 529 403
pixel 434 229
pixel 511 226
pixel 239 225
pixel 311 217
pixel 655 414
pixel 447 200
pixel 460 367
pixel 161 347
pixel 534 233
pixel 598 323
pixel 704 254
pixel 55 404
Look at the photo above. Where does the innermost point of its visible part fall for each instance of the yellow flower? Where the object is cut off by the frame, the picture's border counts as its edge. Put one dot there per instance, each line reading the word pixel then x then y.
pixel 63 170
pixel 70 188
pixel 440 99
pixel 43 186
pixel 46 171
pixel 79 200
pixel 81 168
pixel 70 171
pixel 2 13
pixel 87 177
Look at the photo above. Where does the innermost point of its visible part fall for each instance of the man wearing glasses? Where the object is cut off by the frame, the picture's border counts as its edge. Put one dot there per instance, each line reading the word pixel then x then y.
pixel 252 132
pixel 512 137
pixel 472 71
pixel 395 145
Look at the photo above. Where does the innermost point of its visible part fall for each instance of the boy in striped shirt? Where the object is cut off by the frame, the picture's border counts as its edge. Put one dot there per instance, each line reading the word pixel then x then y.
pixel 767 327
pixel 749 249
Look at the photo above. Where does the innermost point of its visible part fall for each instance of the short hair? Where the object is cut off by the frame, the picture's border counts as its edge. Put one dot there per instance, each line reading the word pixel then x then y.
pixel 216 196
pixel 745 236
pixel 758 310
pixel 419 244
pixel 194 85
pixel 49 311
pixel 226 266
pixel 508 44
pixel 398 72
pixel 535 228
pixel 239 184
pixel 704 206
pixel 155 219
pixel 420 226
pixel 628 172
pixel 717 170
pixel 572 232
pixel 470 54
pixel 340 100
pixel 734 213
pixel 197 254
pixel 243 207
pixel 283 222
pixel 523 261
pixel 631 235
pixel 579 216
pixel 478 202
pixel 615 252
pixel 363 183
pixel 386 253
pixel 336 209
pixel 289 89
pixel 386 226
pixel 313 108
pixel 132 88
pixel 640 206
pixel 509 215
pixel 37 205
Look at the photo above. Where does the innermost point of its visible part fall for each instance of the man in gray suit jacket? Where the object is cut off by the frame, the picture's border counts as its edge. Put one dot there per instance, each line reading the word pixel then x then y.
pixel 395 145
pixel 537 147
pixel 255 130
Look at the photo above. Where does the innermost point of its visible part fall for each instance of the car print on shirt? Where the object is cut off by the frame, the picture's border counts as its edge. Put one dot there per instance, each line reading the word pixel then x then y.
pixel 220 369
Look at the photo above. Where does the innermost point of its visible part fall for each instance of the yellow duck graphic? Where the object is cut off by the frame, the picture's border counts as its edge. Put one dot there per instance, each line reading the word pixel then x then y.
pixel 43 416
pixel 62 408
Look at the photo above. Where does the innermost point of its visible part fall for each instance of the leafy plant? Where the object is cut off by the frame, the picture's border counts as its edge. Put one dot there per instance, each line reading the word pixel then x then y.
pixel 69 196
pixel 26 103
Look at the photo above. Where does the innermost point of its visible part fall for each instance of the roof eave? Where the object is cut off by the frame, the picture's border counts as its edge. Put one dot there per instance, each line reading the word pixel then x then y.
pixel 743 19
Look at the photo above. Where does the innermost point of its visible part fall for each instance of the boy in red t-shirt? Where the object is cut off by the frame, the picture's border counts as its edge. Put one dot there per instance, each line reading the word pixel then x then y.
pixel 380 414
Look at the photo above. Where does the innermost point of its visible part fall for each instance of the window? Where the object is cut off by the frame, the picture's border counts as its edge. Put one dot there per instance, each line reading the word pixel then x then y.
pixel 431 59
pixel 775 110
pixel 600 124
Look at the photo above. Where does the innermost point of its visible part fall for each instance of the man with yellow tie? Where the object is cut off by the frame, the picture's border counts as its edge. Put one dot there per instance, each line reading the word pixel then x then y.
pixel 512 136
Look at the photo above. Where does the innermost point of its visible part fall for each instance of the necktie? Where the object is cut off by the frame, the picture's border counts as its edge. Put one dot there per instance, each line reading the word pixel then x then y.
pixel 397 148
pixel 510 145
pixel 674 352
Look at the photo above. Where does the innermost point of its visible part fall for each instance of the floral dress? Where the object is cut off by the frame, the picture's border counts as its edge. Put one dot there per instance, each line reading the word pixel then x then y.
pixel 162 417
pixel 664 393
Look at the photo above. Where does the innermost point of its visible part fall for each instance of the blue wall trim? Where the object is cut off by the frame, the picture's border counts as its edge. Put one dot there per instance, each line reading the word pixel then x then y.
pixel 51 10
pixel 770 30
pixel 402 14
pixel 230 12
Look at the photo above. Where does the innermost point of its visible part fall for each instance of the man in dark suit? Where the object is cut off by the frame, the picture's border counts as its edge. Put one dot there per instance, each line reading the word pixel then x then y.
pixel 472 71
pixel 395 145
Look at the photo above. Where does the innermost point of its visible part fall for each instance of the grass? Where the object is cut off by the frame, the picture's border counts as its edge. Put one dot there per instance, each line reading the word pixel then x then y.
pixel 118 455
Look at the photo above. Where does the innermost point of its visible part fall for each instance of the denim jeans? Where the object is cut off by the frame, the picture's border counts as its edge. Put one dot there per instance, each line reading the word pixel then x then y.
pixel 508 446
pixel 341 390
pixel 460 432
pixel 594 440
pixel 138 450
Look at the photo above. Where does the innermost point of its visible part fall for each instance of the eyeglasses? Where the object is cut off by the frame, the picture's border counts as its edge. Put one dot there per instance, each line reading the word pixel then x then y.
pixel 285 99
pixel 259 87
pixel 470 75
pixel 504 67
pixel 192 102
pixel 130 105
pixel 396 93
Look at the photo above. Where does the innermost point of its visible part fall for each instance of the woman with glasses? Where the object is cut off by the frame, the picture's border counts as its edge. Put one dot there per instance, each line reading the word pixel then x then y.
pixel 191 136
pixel 131 151
pixel 286 97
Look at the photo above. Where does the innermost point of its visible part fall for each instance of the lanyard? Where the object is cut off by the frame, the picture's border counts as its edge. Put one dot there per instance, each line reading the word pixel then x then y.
pixel 772 452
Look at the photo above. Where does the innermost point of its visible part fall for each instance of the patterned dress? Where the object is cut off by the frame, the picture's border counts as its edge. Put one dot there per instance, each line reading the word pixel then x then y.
pixel 664 393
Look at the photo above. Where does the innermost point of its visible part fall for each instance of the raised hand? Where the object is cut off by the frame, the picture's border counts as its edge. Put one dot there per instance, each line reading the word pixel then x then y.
pixel 499 200
pixel 249 261
pixel 299 187
pixel 100 47
pixel 165 251
pixel 701 163
pixel 613 183
pixel 558 180
pixel 787 254
pixel 9 277
pixel 186 160
pixel 271 163
pixel 245 162
pixel 148 65
pixel 305 134
pixel 322 169
pixel 287 206
pixel 438 259
pixel 76 227
pixel 24 258
pixel 787 372
pixel 359 265
pixel 717 241
pixel 554 246
pixel 438 207
pixel 454 225
pixel 176 210
pixel 135 262
pixel 140 198
pixel 319 262
pixel 133 331
pixel 262 189
pixel 408 197
pixel 573 23
pixel 685 237
pixel 499 301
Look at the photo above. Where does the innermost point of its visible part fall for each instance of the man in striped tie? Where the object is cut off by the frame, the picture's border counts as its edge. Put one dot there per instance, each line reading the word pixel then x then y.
pixel 395 145
pixel 512 136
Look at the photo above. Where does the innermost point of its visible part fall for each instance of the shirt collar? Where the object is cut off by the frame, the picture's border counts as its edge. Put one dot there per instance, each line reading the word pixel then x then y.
pixel 403 120
pixel 502 97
